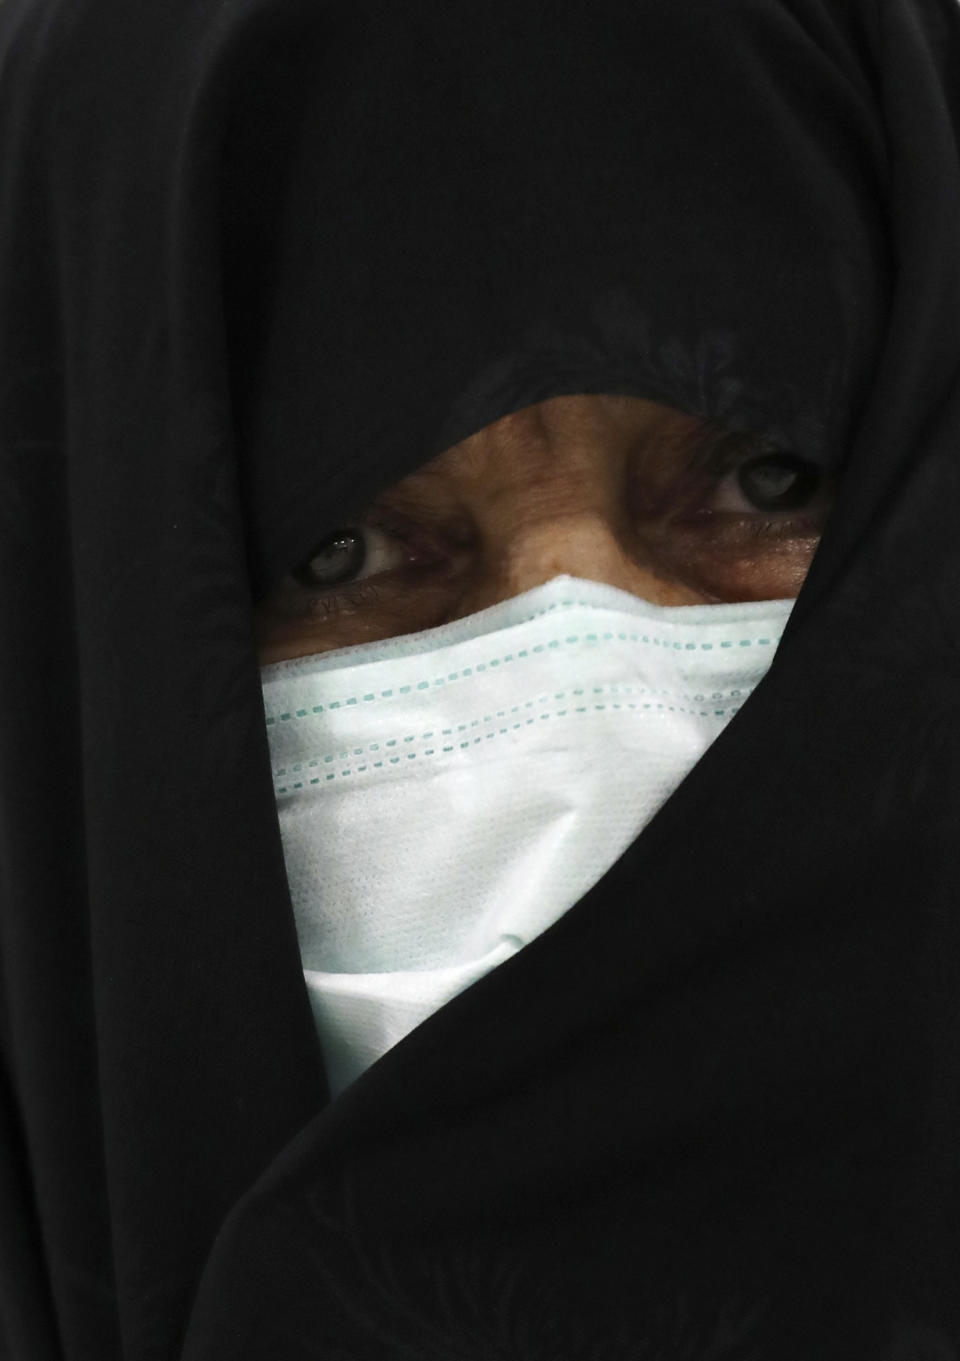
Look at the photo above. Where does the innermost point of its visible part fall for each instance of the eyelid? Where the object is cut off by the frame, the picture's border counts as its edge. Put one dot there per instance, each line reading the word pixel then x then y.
pixel 428 526
pixel 714 449
pixel 394 522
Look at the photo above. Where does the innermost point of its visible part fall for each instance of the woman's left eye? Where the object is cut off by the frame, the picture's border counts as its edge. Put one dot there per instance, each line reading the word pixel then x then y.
pixel 768 484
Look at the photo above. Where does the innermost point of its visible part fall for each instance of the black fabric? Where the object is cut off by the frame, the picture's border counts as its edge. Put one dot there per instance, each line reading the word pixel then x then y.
pixel 258 260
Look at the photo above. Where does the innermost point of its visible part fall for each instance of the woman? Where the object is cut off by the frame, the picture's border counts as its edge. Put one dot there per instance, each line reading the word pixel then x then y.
pixel 339 344
pixel 533 720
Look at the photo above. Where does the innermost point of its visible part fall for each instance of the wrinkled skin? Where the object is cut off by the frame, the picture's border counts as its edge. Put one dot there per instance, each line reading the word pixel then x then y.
pixel 596 486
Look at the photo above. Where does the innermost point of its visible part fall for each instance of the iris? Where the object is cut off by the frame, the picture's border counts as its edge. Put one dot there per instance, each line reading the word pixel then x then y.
pixel 778 481
pixel 335 559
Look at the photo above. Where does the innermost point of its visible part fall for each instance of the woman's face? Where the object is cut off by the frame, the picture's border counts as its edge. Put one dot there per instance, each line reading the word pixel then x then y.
pixel 614 489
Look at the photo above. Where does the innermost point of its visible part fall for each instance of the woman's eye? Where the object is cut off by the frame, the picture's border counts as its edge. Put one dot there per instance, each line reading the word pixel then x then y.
pixel 770 483
pixel 349 555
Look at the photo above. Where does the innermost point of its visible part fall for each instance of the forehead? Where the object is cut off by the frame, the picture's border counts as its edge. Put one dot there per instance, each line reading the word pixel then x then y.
pixel 582 432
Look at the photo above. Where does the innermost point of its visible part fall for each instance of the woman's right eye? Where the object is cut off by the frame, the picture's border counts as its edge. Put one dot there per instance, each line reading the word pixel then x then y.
pixel 351 554
pixel 383 544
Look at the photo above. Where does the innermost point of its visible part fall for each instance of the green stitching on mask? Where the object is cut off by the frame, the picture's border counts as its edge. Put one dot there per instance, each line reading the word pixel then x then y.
pixel 611 689
pixel 646 706
pixel 467 671
pixel 481 667
pixel 544 698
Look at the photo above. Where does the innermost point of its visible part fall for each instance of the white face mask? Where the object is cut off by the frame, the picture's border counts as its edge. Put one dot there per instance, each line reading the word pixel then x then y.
pixel 445 796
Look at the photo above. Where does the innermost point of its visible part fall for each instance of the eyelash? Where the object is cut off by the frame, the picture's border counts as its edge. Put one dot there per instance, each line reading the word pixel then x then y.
pixel 730 526
pixel 332 601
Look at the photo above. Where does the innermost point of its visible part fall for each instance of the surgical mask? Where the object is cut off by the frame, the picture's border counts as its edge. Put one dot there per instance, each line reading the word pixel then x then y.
pixel 445 796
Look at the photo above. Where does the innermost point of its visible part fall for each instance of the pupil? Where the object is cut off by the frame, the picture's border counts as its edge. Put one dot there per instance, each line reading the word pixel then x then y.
pixel 335 558
pixel 778 482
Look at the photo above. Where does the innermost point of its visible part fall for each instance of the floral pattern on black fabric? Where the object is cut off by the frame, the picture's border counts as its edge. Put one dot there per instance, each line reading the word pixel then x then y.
pixel 921 1342
pixel 484 1302
pixel 704 376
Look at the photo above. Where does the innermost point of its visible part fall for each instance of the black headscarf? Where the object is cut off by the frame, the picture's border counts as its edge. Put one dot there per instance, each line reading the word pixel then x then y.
pixel 259 259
